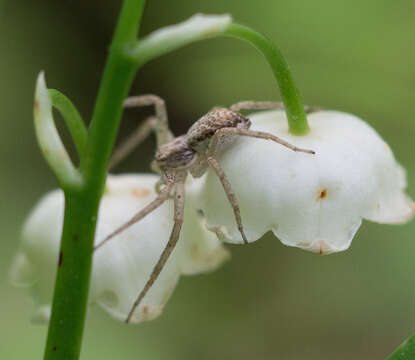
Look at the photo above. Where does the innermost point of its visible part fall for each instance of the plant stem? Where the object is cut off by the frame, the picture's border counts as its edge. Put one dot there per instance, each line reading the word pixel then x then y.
pixel 81 205
pixel 297 119
pixel 173 37
pixel 405 351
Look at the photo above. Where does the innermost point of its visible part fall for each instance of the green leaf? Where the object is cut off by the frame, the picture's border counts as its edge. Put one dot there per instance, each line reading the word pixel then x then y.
pixel 405 351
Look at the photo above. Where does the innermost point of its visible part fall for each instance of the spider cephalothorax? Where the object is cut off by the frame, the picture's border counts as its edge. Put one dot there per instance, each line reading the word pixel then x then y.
pixel 192 152
pixel 176 154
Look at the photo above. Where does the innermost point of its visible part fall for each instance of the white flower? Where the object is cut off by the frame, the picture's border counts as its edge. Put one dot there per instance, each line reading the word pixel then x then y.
pixel 122 266
pixel 315 202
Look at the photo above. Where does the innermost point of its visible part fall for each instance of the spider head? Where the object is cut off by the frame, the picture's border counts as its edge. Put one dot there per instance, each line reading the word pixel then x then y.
pixel 174 155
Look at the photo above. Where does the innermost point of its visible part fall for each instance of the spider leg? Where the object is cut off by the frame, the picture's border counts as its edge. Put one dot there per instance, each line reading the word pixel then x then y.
pixel 132 141
pixel 160 199
pixel 229 193
pixel 158 123
pixel 162 126
pixel 257 134
pixel 256 105
pixel 174 237
pixel 264 105
pixel 215 108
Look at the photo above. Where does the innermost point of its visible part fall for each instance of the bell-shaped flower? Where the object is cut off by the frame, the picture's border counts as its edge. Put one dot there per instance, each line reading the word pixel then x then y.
pixel 314 202
pixel 122 266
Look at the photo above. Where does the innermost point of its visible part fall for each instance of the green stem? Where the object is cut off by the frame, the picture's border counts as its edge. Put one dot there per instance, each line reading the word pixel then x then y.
pixel 72 119
pixel 405 351
pixel 161 42
pixel 81 205
pixel 297 119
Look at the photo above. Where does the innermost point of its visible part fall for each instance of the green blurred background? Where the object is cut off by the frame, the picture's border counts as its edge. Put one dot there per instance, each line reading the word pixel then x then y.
pixel 270 301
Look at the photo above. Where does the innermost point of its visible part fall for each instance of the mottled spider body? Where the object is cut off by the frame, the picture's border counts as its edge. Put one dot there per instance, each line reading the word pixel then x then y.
pixel 190 149
pixel 201 132
pixel 192 152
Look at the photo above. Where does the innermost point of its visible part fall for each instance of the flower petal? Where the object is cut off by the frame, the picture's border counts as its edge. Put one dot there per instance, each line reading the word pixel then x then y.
pixel 315 202
pixel 123 265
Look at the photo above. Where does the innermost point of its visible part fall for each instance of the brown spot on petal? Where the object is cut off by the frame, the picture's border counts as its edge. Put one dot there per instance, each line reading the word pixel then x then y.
pixel 145 309
pixel 324 248
pixel 146 312
pixel 323 194
pixel 36 106
pixel 140 192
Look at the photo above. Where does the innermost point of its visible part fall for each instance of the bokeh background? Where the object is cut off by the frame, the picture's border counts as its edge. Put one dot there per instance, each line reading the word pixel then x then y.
pixel 270 301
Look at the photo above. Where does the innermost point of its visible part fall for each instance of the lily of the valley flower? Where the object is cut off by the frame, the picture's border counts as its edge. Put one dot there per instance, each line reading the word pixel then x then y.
pixel 122 266
pixel 314 202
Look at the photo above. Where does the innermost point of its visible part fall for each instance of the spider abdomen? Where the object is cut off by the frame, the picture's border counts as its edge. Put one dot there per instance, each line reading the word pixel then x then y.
pixel 206 126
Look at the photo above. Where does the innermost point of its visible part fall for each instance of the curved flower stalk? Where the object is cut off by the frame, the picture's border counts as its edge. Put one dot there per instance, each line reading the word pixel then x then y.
pixel 317 202
pixel 121 267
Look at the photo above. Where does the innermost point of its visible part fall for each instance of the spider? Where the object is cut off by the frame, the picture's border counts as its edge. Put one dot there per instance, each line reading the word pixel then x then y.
pixel 192 152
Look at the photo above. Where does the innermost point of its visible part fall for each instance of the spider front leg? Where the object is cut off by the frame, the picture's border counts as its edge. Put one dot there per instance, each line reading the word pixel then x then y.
pixel 158 201
pixel 214 146
pixel 257 134
pixel 179 199
pixel 229 193
pixel 158 123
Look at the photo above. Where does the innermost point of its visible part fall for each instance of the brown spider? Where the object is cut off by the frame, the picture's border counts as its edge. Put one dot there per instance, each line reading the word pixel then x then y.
pixel 193 152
